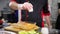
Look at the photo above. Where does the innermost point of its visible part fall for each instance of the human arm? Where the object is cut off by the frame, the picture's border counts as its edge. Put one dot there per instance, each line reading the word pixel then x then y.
pixel 47 15
pixel 25 6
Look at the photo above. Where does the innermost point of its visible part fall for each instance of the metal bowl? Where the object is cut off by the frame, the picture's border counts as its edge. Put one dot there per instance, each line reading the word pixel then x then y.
pixel 6 32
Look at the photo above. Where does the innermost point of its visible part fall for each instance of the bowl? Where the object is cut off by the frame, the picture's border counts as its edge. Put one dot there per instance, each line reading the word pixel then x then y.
pixel 6 32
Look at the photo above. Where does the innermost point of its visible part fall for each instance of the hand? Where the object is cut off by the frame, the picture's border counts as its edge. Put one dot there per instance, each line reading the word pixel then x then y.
pixel 27 6
pixel 50 27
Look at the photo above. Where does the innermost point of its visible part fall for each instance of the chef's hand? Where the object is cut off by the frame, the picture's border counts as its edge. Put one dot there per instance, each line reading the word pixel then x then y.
pixel 50 27
pixel 27 6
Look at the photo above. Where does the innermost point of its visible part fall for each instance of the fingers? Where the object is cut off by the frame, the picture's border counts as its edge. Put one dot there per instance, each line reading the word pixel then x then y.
pixel 27 5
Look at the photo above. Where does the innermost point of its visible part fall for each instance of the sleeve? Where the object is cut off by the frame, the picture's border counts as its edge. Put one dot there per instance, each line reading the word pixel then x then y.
pixel 45 9
pixel 12 0
pixel 58 5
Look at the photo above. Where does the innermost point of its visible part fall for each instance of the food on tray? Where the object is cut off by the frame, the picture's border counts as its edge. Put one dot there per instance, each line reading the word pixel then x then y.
pixel 22 26
pixel 11 28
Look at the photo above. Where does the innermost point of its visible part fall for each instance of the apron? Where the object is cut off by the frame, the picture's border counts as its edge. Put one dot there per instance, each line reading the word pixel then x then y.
pixel 34 16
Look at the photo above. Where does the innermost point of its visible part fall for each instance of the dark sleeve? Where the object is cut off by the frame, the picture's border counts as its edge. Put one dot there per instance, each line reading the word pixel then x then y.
pixel 12 0
pixel 45 9
pixel 58 5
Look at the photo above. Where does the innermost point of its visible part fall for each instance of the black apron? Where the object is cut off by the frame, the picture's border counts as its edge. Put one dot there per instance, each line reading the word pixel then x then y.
pixel 34 16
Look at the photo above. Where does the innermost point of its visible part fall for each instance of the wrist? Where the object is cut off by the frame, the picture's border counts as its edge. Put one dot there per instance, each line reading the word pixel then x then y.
pixel 50 27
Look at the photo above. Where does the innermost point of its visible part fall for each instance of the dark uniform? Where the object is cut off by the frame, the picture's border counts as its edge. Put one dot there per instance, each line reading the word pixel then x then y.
pixel 35 16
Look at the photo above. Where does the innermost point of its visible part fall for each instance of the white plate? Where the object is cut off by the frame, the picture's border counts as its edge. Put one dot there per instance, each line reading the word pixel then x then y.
pixel 6 32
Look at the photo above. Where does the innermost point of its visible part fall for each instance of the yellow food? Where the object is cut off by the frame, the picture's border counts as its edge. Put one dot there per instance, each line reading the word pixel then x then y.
pixel 10 28
pixel 22 26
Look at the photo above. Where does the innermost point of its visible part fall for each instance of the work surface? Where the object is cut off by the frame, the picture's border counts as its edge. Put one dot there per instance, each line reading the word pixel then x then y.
pixel 2 29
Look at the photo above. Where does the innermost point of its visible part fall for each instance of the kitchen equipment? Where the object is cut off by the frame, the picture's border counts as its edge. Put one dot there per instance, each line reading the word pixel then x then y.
pixel 6 32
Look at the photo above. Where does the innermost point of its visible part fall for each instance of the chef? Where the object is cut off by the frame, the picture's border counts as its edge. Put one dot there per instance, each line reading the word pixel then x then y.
pixel 34 16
